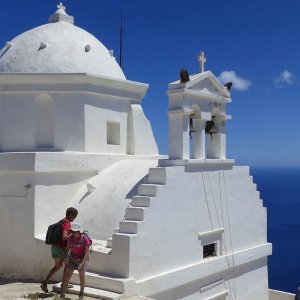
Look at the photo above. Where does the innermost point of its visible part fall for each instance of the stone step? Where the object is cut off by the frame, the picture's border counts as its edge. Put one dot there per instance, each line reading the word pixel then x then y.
pixel 97 281
pixel 105 250
pixel 140 201
pixel 147 190
pixel 100 246
pixel 91 292
pixel 157 175
pixel 134 213
pixel 129 227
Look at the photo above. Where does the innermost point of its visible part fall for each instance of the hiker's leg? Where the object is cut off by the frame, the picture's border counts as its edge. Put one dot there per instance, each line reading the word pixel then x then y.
pixel 58 263
pixel 58 255
pixel 67 276
pixel 65 268
pixel 65 262
pixel 82 280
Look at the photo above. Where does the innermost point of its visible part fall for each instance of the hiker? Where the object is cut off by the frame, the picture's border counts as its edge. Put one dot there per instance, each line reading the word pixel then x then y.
pixel 78 249
pixel 59 250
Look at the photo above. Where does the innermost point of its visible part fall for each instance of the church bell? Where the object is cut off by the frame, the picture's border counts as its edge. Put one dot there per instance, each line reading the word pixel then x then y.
pixel 210 127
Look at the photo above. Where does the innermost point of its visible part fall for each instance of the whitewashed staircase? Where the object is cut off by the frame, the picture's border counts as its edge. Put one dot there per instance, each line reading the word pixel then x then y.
pixel 147 193
pixel 99 282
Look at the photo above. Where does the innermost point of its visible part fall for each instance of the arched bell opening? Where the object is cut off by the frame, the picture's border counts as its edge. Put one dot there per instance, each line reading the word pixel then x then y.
pixel 213 132
pixel 196 133
pixel 194 116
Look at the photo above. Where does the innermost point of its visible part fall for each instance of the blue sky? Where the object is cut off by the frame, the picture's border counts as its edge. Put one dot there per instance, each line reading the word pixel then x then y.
pixel 257 42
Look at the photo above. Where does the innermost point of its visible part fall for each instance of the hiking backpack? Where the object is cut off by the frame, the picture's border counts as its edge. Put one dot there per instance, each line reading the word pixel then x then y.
pixel 54 233
pixel 87 234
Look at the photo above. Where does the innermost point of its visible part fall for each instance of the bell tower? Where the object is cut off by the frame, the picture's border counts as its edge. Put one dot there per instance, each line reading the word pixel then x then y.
pixel 197 116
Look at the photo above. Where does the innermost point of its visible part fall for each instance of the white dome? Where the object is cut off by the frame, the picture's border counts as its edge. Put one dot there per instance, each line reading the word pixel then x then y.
pixel 58 47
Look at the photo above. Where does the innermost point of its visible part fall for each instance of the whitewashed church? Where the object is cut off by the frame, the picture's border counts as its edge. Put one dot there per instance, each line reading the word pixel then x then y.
pixel 190 225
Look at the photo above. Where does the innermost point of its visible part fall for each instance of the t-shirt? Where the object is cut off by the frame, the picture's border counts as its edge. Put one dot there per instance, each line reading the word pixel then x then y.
pixel 78 246
pixel 66 226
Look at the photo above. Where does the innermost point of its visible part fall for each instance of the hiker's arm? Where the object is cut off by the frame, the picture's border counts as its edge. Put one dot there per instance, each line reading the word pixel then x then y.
pixel 68 246
pixel 65 235
pixel 86 256
pixel 86 253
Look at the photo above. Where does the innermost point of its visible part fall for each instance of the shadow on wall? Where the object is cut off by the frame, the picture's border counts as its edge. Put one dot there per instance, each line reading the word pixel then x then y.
pixel 134 190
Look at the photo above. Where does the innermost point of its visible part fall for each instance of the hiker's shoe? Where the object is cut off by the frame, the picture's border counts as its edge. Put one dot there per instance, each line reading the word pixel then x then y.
pixel 44 287
pixel 62 296
pixel 80 295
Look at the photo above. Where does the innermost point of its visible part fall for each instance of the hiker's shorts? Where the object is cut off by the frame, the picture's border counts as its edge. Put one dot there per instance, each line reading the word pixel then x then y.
pixel 58 253
pixel 74 263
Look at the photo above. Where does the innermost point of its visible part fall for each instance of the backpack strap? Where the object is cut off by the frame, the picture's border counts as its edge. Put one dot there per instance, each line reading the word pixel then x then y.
pixel 62 221
pixel 83 239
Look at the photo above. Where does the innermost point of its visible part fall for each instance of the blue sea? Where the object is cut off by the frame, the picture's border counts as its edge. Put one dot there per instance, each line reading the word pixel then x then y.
pixel 280 190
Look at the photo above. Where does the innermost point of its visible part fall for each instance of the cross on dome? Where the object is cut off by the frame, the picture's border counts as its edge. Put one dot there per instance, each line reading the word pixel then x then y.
pixel 202 60
pixel 61 6
pixel 61 15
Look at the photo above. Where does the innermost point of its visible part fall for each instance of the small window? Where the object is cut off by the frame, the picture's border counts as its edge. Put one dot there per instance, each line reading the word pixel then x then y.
pixel 209 250
pixel 113 133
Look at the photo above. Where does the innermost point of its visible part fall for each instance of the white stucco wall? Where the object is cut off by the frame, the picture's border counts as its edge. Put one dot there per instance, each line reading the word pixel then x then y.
pixel 79 122
pixel 55 181
pixel 73 112
pixel 166 251
pixel 195 202
pixel 17 135
pixel 102 210
pixel 96 118
pixel 160 245
pixel 21 254
pixel 60 182
pixel 139 141
pixel 165 255
pixel 245 283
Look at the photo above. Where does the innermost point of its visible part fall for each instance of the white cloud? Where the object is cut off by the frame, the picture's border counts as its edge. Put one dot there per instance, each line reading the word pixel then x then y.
pixel 284 79
pixel 238 82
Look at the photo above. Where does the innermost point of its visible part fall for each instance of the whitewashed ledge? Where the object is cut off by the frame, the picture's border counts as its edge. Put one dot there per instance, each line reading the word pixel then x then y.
pixel 198 164
pixel 279 295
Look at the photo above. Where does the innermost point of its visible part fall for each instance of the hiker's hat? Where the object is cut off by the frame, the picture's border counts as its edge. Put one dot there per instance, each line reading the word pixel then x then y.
pixel 76 227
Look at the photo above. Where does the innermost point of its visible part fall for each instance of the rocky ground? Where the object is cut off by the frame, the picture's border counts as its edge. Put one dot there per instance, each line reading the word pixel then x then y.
pixel 12 289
